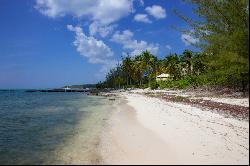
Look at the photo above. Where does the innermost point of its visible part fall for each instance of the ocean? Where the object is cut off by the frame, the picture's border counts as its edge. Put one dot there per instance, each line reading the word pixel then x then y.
pixel 51 128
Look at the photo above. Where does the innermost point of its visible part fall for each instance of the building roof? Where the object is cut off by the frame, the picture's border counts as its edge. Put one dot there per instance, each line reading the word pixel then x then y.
pixel 163 75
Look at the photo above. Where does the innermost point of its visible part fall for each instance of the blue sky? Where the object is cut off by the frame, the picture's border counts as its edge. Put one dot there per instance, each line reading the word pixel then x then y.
pixel 47 44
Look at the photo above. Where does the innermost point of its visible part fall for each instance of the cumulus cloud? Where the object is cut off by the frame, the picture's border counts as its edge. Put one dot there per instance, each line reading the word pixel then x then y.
pixel 156 11
pixel 123 37
pixel 188 39
pixel 136 47
pixel 96 51
pixel 102 30
pixel 103 11
pixel 142 18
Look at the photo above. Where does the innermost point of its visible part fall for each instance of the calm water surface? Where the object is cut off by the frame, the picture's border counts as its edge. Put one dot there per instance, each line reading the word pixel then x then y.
pixel 50 128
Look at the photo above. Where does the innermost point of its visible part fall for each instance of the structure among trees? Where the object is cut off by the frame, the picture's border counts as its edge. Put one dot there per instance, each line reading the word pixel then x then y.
pixel 163 77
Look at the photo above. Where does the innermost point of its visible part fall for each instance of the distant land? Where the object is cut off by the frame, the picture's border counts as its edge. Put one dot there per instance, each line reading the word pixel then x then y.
pixel 83 86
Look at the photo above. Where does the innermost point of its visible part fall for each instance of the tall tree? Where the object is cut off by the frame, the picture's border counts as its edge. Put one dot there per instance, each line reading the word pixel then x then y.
pixel 127 65
pixel 223 31
pixel 171 63
pixel 187 59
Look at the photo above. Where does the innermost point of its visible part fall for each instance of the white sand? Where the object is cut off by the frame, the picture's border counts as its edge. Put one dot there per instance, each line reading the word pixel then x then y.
pixel 126 141
pixel 160 132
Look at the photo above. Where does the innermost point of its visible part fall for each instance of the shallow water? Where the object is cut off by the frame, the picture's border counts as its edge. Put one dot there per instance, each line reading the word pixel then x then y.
pixel 51 128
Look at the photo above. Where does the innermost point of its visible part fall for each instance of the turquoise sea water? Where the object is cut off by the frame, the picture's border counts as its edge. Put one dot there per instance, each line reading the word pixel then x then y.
pixel 50 128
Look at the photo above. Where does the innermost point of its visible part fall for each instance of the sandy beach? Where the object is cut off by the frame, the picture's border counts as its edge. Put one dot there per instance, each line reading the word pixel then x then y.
pixel 147 130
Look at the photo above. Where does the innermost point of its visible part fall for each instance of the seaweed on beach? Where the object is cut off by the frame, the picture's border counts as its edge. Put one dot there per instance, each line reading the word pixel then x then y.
pixel 239 112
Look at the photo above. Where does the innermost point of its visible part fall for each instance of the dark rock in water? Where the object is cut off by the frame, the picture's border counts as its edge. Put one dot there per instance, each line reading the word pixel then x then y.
pixel 111 99
pixel 59 90
pixel 94 92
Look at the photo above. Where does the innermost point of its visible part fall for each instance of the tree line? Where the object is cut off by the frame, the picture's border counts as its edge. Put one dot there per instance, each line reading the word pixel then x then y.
pixel 141 70
pixel 223 32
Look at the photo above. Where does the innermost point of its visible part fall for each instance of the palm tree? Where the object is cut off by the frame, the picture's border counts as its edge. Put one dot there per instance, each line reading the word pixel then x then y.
pixel 153 63
pixel 187 59
pixel 127 67
pixel 172 65
pixel 139 67
pixel 148 61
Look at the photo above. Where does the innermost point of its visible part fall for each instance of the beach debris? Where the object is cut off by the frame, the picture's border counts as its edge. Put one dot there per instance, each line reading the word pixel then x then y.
pixel 237 111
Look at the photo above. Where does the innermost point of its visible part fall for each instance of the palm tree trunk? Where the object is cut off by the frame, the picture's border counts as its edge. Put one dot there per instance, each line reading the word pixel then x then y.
pixel 127 80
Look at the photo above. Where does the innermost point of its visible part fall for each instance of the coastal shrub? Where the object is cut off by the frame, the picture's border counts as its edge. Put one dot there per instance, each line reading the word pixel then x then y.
pixel 203 80
pixel 153 85
pixel 196 81
pixel 182 84
pixel 162 85
pixel 165 84
pixel 144 86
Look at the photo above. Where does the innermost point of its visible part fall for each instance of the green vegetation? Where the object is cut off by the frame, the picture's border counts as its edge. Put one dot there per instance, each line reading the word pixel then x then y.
pixel 223 32
pixel 141 71
pixel 153 85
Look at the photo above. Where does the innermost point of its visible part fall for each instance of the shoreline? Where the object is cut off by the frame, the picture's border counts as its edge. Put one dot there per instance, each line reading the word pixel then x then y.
pixel 147 130
pixel 126 141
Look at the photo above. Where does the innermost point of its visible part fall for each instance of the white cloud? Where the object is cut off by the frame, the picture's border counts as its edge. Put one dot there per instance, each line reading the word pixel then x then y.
pixel 188 39
pixel 102 30
pixel 136 47
pixel 168 47
pixel 142 18
pixel 96 51
pixel 123 37
pixel 103 11
pixel 156 11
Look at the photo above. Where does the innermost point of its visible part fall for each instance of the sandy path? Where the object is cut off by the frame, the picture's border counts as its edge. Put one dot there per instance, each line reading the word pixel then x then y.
pixel 152 131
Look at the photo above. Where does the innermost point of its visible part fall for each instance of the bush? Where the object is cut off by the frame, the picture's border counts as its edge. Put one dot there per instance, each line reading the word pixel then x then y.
pixel 153 85
pixel 201 80
pixel 144 86
pixel 165 84
pixel 182 84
